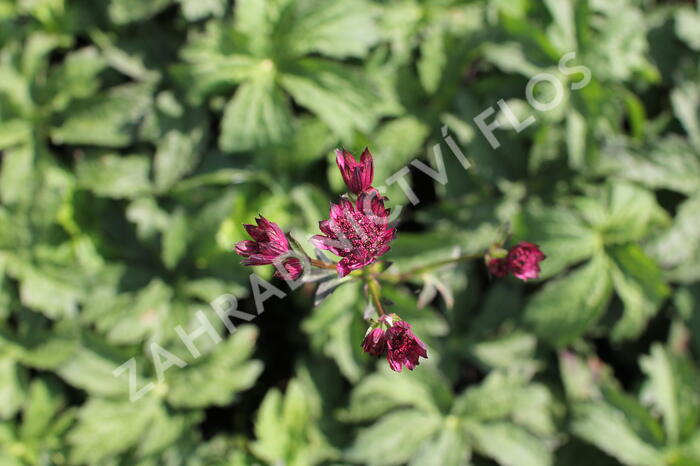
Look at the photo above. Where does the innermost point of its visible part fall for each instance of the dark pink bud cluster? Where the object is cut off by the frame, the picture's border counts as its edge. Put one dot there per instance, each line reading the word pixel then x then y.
pixel 357 175
pixel 269 246
pixel 401 346
pixel 522 260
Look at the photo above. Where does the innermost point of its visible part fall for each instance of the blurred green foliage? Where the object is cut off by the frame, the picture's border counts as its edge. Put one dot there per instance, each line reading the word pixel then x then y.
pixel 137 136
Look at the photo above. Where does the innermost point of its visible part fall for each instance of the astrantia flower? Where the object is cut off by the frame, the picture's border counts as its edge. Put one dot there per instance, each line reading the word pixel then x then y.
pixel 357 175
pixel 359 232
pixel 375 342
pixel 403 347
pixel 269 242
pixel 524 261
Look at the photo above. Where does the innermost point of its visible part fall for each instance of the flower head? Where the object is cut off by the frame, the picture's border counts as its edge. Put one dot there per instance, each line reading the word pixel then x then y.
pixel 375 342
pixel 359 232
pixel 268 244
pixel 524 260
pixel 403 347
pixel 357 175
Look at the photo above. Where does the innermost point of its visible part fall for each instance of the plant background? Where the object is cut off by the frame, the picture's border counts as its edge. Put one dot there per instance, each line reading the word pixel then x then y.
pixel 138 135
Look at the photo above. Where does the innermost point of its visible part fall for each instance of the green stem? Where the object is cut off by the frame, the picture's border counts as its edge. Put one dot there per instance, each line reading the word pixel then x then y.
pixel 323 265
pixel 399 277
pixel 314 262
pixel 375 293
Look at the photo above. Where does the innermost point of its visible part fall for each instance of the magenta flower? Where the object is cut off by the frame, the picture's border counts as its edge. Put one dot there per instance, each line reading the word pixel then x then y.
pixel 403 347
pixel 524 261
pixel 359 233
pixel 269 242
pixel 357 175
pixel 375 342
pixel 498 267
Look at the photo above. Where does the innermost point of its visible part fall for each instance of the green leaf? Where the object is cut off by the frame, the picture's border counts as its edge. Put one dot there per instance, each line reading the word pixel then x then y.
pixel 576 139
pixel 396 143
pixel 17 177
pixel 620 48
pixel 672 389
pixel 287 428
pixel 36 49
pixel 90 369
pixel 642 421
pixel 449 448
pixel 166 429
pixel 195 10
pixel 433 58
pixel 672 163
pixel 115 176
pixel 48 349
pixel 129 11
pixel 509 445
pixel 130 318
pixel 686 105
pixel 149 218
pixel 566 307
pixel 267 427
pixel 106 428
pixel 338 95
pixel 215 379
pixel 639 282
pixel 177 156
pixel 14 132
pixel 690 451
pixel 607 429
pixel 41 406
pixel 379 393
pixel 510 58
pixel 335 28
pixel 109 119
pixel 175 239
pixel 76 77
pixel 679 246
pixel 256 20
pixel 52 292
pixel 514 349
pixel 688 27
pixel 622 213
pixel 13 388
pixel 563 31
pixel 578 380
pixel 257 116
pixel 502 396
pixel 395 438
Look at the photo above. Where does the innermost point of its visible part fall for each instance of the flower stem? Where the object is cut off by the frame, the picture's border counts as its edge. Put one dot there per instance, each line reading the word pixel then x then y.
pixel 314 262
pixel 323 265
pixel 399 277
pixel 375 293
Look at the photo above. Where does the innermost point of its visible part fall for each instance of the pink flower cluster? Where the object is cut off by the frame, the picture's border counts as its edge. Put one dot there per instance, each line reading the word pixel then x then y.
pixel 397 342
pixel 358 232
pixel 522 260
